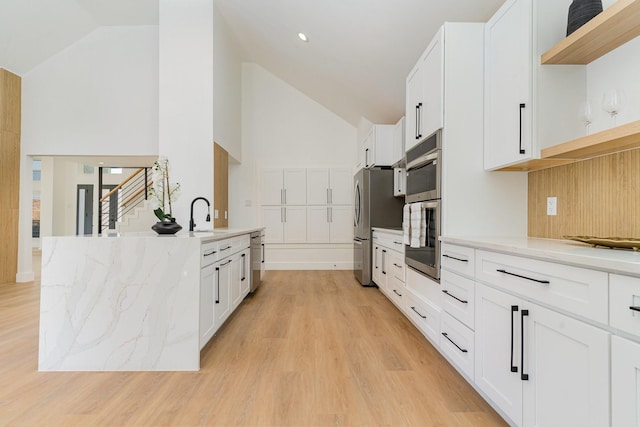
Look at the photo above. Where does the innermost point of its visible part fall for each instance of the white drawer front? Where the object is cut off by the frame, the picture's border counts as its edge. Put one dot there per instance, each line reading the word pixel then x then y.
pixel 458 297
pixel 577 290
pixel 458 259
pixel 424 315
pixel 396 265
pixel 389 240
pixel 624 303
pixel 395 290
pixel 209 253
pixel 423 286
pixel 456 341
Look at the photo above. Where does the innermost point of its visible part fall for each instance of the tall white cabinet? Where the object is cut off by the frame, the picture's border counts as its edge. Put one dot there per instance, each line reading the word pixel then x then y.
pixel 528 106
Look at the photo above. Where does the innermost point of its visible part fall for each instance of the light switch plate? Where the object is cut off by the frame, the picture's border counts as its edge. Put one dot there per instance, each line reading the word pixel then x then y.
pixel 552 206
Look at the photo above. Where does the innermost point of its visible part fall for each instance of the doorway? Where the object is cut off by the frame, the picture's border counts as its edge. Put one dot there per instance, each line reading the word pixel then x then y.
pixel 84 210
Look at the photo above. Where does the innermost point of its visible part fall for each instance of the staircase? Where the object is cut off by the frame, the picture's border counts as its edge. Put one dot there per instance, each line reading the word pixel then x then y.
pixel 125 207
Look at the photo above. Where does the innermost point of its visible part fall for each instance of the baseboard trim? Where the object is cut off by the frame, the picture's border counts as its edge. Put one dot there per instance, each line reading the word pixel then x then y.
pixel 27 276
pixel 338 265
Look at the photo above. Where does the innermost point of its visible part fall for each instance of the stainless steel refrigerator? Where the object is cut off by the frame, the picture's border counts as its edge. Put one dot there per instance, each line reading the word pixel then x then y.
pixel 375 206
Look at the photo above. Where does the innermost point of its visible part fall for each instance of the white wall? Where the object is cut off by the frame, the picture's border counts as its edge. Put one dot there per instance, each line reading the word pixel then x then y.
pixel 282 127
pixel 99 96
pixel 619 69
pixel 186 99
pixel 227 88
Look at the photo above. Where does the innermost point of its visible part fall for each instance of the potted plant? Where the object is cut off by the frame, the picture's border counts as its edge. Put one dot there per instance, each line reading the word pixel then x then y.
pixel 162 193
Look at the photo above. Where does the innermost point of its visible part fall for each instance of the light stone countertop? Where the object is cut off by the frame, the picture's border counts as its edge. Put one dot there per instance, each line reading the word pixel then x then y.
pixel 562 251
pixel 204 235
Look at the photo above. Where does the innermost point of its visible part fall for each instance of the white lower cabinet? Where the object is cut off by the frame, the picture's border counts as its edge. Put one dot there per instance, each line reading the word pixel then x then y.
pixel 424 314
pixel 540 367
pixel 223 283
pixel 329 224
pixel 285 224
pixel 625 383
pixel 457 343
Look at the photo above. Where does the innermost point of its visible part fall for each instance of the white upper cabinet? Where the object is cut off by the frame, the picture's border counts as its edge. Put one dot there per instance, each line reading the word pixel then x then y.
pixel 528 106
pixel 329 186
pixel 424 97
pixel 398 141
pixel 377 148
pixel 284 186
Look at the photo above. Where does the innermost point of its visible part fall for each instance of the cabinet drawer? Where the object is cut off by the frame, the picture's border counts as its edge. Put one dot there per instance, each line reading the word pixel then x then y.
pixel 625 294
pixel 458 297
pixel 576 290
pixel 396 265
pixel 456 342
pixel 395 290
pixel 424 315
pixel 209 253
pixel 389 240
pixel 458 259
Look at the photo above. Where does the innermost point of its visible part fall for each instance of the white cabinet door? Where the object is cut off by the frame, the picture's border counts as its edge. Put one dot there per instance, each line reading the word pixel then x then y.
pixel 341 224
pixel 567 362
pixel 222 291
pixel 245 273
pixel 431 111
pixel 369 148
pixel 236 275
pixel 625 383
pixel 295 224
pixel 295 186
pixel 273 221
pixel 318 187
pixel 318 224
pixel 271 187
pixel 207 319
pixel 508 109
pixel 376 273
pixel 399 179
pixel 341 180
pixel 497 360
pixel 413 99
pixel 398 141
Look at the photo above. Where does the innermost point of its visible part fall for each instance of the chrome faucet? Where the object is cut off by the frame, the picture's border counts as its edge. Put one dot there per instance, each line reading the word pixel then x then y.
pixel 192 224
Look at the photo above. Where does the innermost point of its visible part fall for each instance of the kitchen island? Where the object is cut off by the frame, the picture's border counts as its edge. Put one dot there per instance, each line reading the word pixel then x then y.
pixel 129 302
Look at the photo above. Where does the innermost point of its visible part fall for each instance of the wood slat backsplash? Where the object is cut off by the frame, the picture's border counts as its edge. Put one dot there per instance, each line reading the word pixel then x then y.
pixel 596 197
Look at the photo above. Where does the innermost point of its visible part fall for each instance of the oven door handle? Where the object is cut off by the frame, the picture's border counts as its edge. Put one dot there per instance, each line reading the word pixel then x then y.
pixel 423 160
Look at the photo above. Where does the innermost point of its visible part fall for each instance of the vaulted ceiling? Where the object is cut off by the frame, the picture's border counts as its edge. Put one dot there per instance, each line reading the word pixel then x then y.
pixel 355 63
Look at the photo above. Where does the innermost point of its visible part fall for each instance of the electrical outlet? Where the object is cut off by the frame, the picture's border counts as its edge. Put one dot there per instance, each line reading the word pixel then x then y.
pixel 552 206
pixel 216 214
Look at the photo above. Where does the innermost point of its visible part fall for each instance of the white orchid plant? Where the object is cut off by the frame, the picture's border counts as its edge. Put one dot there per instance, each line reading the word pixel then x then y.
pixel 163 192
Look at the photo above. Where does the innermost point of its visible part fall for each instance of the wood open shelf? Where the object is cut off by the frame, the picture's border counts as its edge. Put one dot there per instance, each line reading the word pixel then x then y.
pixel 615 26
pixel 620 138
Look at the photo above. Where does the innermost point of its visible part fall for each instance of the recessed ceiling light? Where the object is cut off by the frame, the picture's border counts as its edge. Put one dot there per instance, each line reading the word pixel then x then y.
pixel 303 37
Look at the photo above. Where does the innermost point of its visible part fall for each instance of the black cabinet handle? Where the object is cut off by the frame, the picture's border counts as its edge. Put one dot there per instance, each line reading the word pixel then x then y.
pixel 514 308
pixel 383 263
pixel 399 266
pixel 634 308
pixel 418 313
pixel 419 119
pixel 366 158
pixel 544 282
pixel 520 146
pixel 262 261
pixel 454 297
pixel 523 376
pixel 210 253
pixel 397 293
pixel 218 285
pixel 464 350
pixel 457 259
pixel 243 267
pixel 416 127
pixel 225 249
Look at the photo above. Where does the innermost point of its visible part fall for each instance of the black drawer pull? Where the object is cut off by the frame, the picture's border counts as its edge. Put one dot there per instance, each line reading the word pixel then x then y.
pixel 464 350
pixel 455 297
pixel 522 106
pixel 397 293
pixel 418 313
pixel 544 282
pixel 634 308
pixel 457 259
pixel 397 243
pixel 523 376
pixel 399 266
pixel 514 308
pixel 210 253
pixel 224 249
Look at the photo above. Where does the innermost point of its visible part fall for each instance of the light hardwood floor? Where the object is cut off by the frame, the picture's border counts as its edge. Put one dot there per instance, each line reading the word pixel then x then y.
pixel 310 348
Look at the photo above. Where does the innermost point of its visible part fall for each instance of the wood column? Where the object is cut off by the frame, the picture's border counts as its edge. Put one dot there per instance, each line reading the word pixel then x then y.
pixel 220 186
pixel 10 104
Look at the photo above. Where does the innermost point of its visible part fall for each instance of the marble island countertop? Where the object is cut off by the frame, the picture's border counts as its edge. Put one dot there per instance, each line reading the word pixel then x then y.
pixel 203 235
pixel 563 251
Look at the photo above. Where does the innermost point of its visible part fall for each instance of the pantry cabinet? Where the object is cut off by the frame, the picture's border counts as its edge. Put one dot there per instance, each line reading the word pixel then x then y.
pixel 528 106
pixel 285 224
pixel 329 186
pixel 329 224
pixel 283 186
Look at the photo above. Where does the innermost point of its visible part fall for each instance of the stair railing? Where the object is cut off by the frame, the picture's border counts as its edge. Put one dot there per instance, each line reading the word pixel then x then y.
pixel 122 198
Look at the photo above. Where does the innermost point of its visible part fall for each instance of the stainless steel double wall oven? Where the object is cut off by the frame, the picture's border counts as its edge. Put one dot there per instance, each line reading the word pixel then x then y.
pixel 424 163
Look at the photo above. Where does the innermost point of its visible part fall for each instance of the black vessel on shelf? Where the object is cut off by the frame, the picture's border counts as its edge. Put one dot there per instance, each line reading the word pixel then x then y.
pixel 581 12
